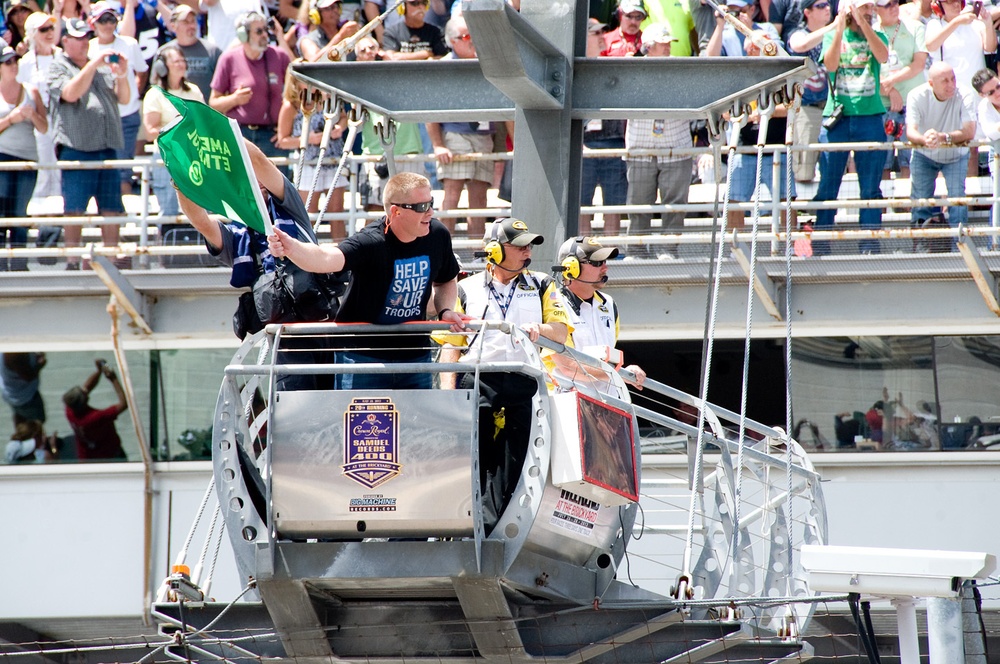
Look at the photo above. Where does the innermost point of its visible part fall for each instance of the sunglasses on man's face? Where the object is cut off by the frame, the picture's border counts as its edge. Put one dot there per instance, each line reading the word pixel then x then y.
pixel 46 29
pixel 107 19
pixel 421 207
pixel 594 263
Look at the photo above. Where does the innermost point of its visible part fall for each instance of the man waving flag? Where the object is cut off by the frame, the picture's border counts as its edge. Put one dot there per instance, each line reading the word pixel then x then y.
pixel 207 159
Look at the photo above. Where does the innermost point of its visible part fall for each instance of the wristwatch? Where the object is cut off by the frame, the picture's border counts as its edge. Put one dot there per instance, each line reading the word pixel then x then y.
pixel 947 139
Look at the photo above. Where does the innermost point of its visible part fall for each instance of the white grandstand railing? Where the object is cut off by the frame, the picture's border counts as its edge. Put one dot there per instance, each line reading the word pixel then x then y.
pixel 143 226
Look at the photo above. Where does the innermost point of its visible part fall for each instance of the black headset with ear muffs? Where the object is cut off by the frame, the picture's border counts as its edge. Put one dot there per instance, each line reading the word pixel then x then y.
pixel 493 251
pixel 243 25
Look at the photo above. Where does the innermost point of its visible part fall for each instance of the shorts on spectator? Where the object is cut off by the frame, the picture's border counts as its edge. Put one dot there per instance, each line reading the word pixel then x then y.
pixel 467 170
pixel 34 409
pixel 377 183
pixel 79 186
pixel 745 175
pixel 325 178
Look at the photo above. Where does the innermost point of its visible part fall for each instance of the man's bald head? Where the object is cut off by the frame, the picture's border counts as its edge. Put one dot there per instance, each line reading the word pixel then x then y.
pixel 941 78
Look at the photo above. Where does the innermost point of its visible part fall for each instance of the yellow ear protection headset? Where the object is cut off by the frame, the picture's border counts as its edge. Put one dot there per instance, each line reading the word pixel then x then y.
pixel 570 265
pixel 401 8
pixel 243 25
pixel 314 15
pixel 493 251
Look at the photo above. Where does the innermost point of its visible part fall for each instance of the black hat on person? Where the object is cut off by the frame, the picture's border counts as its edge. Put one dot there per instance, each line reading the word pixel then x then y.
pixel 586 249
pixel 511 231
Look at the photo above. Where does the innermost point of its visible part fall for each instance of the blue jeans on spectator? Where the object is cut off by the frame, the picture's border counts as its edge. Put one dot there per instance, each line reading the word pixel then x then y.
pixel 393 381
pixel 79 186
pixel 923 173
pixel 611 173
pixel 869 163
pixel 130 130
pixel 15 192
pixel 261 137
pixel 163 189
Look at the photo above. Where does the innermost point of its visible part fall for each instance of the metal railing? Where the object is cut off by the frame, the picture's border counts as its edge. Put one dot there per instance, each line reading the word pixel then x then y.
pixel 140 230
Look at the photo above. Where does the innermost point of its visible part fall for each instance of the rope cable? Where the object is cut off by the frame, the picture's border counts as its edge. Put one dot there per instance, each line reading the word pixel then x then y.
pixel 332 110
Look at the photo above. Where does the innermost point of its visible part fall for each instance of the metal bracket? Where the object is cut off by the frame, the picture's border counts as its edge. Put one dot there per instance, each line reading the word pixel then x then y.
pixel 761 285
pixel 128 297
pixel 980 272
pixel 534 74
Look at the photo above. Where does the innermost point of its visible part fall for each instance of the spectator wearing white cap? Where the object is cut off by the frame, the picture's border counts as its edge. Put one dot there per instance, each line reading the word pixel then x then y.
pixel 627 37
pixel 33 68
pixel 104 22
pixel 328 31
pixel 668 175
pixel 201 55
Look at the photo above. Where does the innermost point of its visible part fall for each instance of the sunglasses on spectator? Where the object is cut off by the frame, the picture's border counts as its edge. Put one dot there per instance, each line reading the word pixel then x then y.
pixel 635 16
pixel 825 5
pixel 107 18
pixel 594 263
pixel 47 28
pixel 421 207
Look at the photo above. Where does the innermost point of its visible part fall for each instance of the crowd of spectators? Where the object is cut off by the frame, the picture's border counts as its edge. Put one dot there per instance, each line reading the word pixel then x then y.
pixel 85 75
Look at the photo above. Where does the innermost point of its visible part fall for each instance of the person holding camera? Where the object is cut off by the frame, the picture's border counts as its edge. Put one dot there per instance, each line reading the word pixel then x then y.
pixel 96 436
pixel 853 53
pixel 85 92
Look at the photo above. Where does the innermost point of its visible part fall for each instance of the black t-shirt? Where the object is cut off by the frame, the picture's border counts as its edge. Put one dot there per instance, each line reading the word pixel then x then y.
pixel 398 37
pixel 391 280
pixel 775 132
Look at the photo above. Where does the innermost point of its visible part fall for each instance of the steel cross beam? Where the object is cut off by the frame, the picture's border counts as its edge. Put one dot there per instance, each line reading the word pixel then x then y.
pixel 531 70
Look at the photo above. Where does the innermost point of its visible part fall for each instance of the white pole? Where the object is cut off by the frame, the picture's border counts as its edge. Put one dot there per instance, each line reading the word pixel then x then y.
pixel 906 623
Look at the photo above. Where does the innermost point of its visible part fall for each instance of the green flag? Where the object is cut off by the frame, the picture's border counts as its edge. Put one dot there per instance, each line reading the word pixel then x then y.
pixel 204 152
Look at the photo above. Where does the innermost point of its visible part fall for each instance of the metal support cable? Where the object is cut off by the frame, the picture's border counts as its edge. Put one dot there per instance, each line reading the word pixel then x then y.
pixel 356 118
pixel 766 111
pixel 331 113
pixel 735 123
pixel 789 137
pixel 307 103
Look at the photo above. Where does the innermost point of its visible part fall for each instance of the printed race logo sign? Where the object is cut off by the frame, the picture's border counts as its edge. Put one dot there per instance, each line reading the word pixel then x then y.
pixel 371 442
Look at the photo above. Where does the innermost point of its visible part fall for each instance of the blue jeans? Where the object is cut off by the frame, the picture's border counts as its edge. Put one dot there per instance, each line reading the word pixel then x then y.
pixel 15 192
pixel 394 381
pixel 163 189
pixel 611 173
pixel 923 173
pixel 130 131
pixel 869 163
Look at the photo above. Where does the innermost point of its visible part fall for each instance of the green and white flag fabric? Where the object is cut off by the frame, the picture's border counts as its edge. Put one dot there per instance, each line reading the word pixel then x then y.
pixel 208 161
